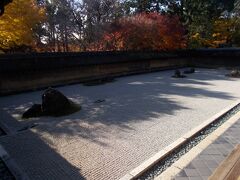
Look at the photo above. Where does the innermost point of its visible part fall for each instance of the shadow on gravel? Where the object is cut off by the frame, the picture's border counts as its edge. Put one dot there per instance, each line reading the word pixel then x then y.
pixel 123 103
pixel 33 156
pixel 36 159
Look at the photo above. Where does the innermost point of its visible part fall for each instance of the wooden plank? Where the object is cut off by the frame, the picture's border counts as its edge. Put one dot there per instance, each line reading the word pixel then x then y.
pixel 225 168
pixel 235 172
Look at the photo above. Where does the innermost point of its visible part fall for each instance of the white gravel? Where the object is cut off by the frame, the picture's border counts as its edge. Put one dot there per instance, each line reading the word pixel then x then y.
pixel 141 115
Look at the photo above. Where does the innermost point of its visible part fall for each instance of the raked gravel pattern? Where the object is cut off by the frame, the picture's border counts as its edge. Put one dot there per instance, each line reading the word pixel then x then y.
pixel 161 166
pixel 141 115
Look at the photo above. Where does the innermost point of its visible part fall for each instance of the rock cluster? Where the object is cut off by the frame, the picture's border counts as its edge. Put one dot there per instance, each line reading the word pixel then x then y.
pixel 177 74
pixel 234 73
pixel 54 103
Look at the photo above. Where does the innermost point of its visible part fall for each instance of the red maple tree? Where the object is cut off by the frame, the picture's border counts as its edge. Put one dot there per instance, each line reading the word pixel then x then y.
pixel 146 31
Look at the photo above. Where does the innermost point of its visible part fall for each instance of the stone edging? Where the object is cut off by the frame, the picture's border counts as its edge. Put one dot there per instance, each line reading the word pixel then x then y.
pixel 146 165
pixel 12 166
pixel 180 164
pixel 10 126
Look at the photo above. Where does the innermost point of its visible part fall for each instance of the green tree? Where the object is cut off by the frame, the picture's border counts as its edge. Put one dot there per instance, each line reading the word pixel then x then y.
pixel 199 16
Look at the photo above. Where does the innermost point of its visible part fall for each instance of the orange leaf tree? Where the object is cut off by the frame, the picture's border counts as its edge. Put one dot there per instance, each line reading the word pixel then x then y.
pixel 145 31
pixel 18 22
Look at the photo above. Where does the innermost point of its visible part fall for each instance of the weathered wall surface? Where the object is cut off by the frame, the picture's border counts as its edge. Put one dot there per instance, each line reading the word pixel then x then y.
pixel 216 58
pixel 33 71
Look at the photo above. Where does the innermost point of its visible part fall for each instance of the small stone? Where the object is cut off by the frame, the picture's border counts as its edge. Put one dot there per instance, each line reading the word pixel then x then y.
pixel 190 71
pixel 100 101
pixel 34 111
pixel 234 73
pixel 178 74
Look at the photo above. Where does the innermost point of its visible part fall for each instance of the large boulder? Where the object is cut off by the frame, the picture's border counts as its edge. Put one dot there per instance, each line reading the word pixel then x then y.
pixel 54 103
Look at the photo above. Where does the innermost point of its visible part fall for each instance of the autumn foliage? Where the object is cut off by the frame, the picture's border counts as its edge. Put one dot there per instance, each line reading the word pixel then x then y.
pixel 18 22
pixel 146 31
